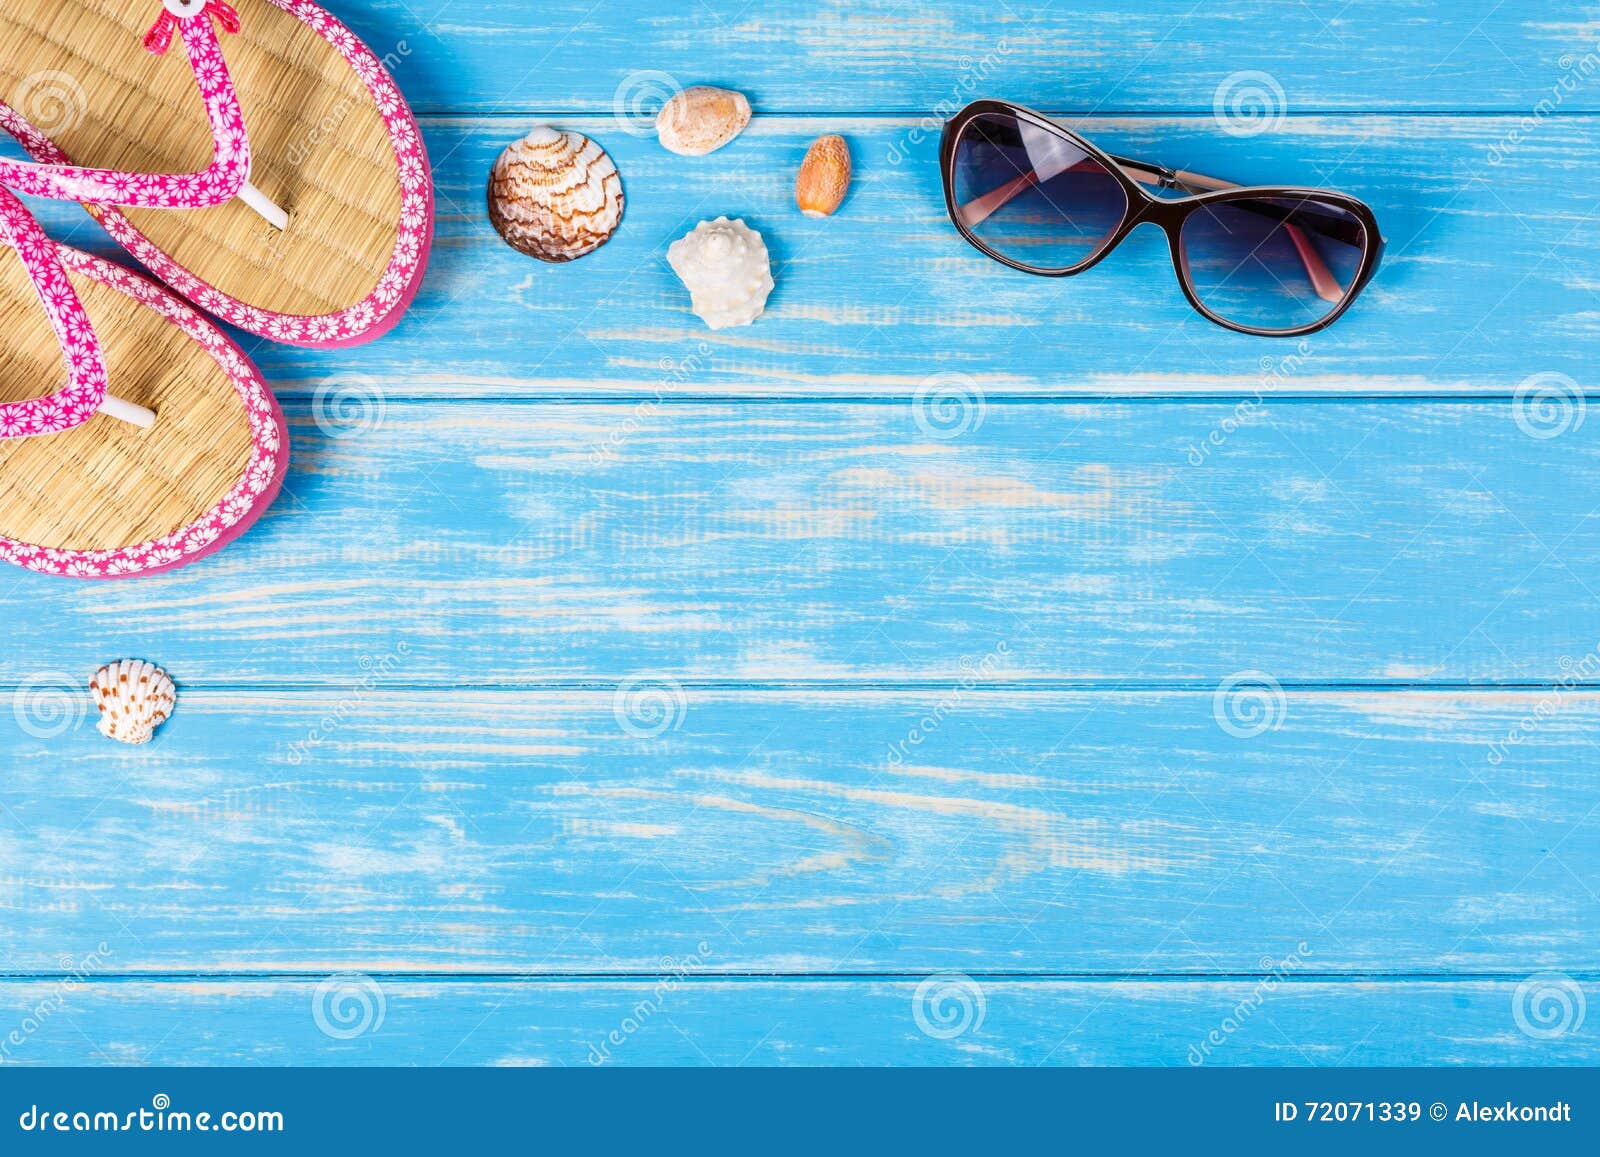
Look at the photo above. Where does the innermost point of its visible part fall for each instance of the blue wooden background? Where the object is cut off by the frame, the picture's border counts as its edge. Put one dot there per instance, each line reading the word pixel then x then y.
pixel 603 687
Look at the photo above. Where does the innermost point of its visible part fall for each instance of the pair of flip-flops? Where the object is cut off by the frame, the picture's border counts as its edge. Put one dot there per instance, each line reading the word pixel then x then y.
pixel 303 215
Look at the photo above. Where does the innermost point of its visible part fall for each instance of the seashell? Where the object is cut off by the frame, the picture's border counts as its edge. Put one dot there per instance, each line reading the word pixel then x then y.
pixel 724 263
pixel 134 698
pixel 701 119
pixel 824 176
pixel 555 195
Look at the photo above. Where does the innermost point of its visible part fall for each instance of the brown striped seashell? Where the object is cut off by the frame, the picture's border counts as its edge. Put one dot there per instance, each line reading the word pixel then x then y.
pixel 701 119
pixel 134 698
pixel 555 195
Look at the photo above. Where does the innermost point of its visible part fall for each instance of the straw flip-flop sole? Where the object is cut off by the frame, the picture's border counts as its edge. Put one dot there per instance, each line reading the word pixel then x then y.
pixel 107 499
pixel 332 140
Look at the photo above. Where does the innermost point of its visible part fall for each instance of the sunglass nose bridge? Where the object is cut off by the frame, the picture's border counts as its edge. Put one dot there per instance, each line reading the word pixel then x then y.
pixel 1156 211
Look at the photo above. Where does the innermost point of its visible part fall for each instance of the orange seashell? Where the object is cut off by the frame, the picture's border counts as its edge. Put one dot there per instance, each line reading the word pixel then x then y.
pixel 824 176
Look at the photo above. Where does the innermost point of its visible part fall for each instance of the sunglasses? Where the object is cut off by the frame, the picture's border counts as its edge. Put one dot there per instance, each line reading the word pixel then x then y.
pixel 1265 259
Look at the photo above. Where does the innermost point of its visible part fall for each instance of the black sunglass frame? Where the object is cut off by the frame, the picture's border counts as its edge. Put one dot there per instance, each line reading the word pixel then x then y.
pixel 1167 212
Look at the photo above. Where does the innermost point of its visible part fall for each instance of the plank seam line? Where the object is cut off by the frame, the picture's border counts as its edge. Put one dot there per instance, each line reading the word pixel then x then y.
pixel 430 114
pixel 293 402
pixel 778 687
pixel 1586 976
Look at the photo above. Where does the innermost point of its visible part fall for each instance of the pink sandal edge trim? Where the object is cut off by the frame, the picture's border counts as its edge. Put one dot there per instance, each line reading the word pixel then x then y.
pixel 401 280
pixel 244 502
pixel 77 401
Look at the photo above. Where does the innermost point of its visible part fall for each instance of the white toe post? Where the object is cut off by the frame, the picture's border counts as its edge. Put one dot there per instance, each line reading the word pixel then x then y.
pixel 128 412
pixel 263 205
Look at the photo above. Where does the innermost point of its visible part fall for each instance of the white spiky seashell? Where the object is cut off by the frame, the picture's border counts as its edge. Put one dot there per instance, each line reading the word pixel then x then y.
pixel 134 698
pixel 725 266
pixel 555 195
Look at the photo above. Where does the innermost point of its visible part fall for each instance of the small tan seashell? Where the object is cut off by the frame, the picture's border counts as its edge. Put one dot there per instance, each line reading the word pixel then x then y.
pixel 134 698
pixel 824 176
pixel 701 119
pixel 555 195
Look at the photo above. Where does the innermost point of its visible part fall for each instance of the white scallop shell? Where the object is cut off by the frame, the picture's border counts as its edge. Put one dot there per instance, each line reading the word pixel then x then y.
pixel 134 698
pixel 725 266
pixel 555 195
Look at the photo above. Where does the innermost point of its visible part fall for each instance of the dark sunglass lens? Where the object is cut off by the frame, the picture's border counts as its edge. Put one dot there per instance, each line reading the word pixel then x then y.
pixel 1273 263
pixel 1033 196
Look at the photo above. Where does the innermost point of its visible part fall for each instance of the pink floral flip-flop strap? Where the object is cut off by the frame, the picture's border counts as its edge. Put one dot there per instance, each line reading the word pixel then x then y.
pixel 217 184
pixel 85 390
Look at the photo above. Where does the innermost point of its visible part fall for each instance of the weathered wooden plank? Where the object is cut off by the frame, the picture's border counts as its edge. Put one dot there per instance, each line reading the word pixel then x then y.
pixel 1487 279
pixel 809 832
pixel 680 1020
pixel 795 541
pixel 890 54
pixel 1471 298
pixel 348 824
